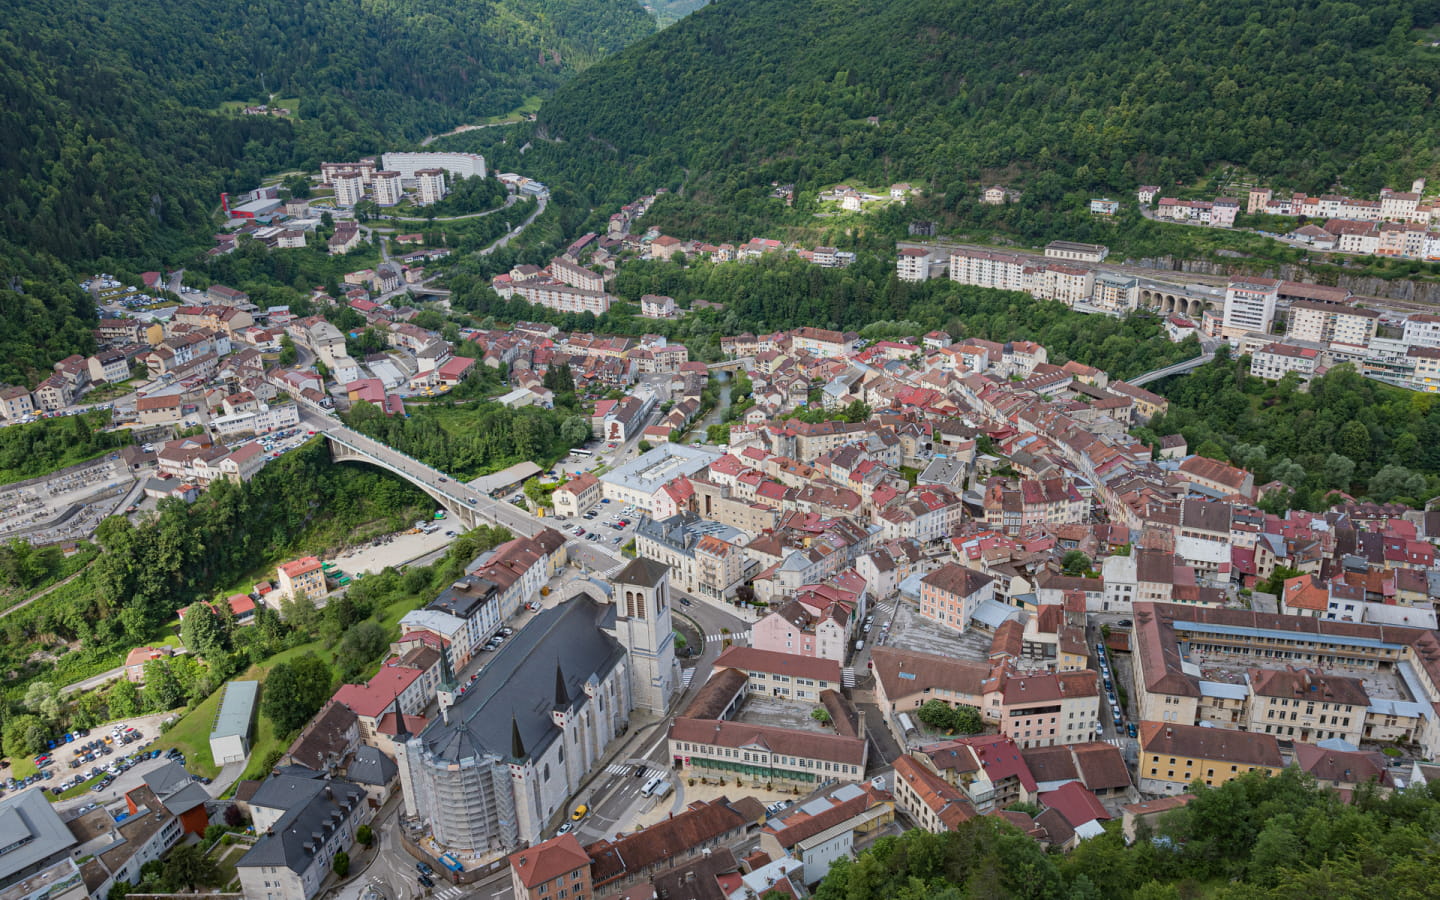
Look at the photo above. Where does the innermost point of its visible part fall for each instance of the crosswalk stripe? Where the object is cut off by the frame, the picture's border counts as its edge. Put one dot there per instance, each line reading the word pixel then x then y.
pixel 732 636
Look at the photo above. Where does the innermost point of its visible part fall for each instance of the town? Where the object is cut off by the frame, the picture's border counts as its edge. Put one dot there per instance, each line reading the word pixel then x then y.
pixel 764 611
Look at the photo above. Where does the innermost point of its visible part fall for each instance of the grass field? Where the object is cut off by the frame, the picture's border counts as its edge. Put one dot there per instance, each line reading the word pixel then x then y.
pixel 191 735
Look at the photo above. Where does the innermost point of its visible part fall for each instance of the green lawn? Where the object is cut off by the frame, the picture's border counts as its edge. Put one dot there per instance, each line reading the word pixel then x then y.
pixel 226 859
pixel 192 733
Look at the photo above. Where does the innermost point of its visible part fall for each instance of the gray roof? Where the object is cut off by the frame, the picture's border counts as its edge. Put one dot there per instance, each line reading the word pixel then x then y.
pixel 237 709
pixel 643 572
pixel 176 788
pixel 370 766
pixel 518 685
pixel 28 820
pixel 311 804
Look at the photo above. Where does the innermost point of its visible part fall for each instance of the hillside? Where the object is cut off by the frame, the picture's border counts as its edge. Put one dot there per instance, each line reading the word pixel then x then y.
pixel 113 129
pixel 1092 94
pixel 120 123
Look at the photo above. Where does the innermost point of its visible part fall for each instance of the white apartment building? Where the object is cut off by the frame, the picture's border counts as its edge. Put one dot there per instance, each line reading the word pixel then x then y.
pixel 1422 331
pixel 1275 361
pixel 985 269
pixel 1068 284
pixel 388 191
pixel 461 165
pixel 349 189
pixel 1072 250
pixel 913 264
pixel 1326 323
pixel 1249 306
pixel 431 184
pixel 562 297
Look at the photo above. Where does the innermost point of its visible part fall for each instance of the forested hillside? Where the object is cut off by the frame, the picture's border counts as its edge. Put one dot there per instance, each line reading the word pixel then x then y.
pixel 113 134
pixel 1092 94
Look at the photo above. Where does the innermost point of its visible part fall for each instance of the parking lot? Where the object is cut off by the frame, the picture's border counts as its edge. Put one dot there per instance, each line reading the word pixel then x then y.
pixel 603 524
pixel 106 762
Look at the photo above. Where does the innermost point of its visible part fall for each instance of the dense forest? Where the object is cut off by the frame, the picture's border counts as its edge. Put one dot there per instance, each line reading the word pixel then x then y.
pixel 1282 837
pixel 120 129
pixel 189 551
pixel 1342 432
pixel 779 292
pixel 1091 95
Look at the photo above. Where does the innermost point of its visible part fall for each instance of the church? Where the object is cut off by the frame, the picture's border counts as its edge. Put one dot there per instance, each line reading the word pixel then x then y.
pixel 504 758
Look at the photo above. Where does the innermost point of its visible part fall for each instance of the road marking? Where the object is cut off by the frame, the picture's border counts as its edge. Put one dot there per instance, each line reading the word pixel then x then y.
pixel 617 769
pixel 732 636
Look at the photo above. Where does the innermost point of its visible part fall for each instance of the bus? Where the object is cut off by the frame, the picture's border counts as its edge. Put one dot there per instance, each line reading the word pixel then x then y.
pixel 581 451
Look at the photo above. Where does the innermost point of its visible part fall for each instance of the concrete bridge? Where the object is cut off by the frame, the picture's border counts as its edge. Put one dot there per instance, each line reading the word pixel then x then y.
pixel 1188 365
pixel 470 506
pixel 732 365
pixel 1174 301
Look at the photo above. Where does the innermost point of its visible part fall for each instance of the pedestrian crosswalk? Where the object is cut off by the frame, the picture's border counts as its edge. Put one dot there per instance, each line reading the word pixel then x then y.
pixel 686 676
pixel 734 636
pixel 450 893
pixel 847 677
pixel 617 769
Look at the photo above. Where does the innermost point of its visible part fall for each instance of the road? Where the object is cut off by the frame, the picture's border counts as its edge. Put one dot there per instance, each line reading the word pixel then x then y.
pixel 1188 365
pixel 460 494
pixel 509 202
pixel 614 794
pixel 540 201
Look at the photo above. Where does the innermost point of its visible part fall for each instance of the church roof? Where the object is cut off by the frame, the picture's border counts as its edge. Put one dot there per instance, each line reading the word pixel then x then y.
pixel 509 706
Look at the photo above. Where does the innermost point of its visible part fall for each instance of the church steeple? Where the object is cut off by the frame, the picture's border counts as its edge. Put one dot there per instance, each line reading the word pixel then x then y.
pixel 517 746
pixel 402 734
pixel 562 696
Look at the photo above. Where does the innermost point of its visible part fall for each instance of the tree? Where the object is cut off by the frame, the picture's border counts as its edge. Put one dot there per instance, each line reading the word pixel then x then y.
pixel 162 687
pixel 288 353
pixel 233 816
pixel 188 867
pixel 204 633
pixel 124 699
pixel 361 645
pixel 645 446
pixel 294 691
pixel 1075 562
pixel 821 715
pixel 43 699
pixel 718 433
pixel 1339 469
pixel 23 736
pixel 1396 482
pixel 341 864
pixel 300 612
pixel 364 835
pixel 936 714
pixel 298 185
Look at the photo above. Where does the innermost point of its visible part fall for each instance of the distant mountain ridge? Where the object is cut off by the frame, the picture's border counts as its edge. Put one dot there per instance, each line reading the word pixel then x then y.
pixel 1090 94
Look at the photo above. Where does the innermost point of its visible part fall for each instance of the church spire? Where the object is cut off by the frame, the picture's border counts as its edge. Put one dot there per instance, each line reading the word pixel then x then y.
pixel 562 696
pixel 402 734
pixel 517 746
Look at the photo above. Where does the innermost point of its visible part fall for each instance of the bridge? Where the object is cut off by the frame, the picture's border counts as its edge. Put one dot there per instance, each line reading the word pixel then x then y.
pixel 732 365
pixel 1188 365
pixel 1176 301
pixel 470 506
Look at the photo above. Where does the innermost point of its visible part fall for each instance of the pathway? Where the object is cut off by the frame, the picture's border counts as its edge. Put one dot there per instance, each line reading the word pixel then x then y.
pixel 61 583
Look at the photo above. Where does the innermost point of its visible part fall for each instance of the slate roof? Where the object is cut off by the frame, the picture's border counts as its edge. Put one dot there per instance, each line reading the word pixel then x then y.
pixel 310 805
pixel 518 684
